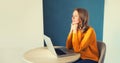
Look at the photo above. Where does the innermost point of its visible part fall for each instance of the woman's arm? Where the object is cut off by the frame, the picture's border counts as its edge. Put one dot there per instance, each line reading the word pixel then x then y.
pixel 69 38
pixel 76 41
pixel 87 39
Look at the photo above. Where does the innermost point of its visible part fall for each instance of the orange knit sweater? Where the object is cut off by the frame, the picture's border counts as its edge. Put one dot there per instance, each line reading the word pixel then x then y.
pixel 84 43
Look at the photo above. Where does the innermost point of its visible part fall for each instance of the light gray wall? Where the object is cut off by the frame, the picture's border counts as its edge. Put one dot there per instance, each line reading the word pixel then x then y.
pixel 111 34
pixel 21 28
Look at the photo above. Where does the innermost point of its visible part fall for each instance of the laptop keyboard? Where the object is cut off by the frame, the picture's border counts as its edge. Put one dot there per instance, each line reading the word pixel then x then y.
pixel 59 51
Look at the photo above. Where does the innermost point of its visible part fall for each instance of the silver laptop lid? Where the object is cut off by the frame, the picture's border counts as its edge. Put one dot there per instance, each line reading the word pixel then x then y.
pixel 49 44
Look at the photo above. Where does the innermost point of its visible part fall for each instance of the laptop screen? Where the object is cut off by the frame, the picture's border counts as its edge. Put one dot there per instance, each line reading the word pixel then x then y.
pixel 49 45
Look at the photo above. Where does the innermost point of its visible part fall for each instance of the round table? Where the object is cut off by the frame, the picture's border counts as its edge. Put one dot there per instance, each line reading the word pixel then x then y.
pixel 43 55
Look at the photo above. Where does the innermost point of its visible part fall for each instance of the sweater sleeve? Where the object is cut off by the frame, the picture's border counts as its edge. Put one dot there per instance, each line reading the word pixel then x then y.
pixel 79 46
pixel 76 42
pixel 88 38
pixel 69 41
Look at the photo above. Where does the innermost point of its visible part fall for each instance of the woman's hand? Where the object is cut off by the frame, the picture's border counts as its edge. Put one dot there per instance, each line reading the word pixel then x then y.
pixel 74 27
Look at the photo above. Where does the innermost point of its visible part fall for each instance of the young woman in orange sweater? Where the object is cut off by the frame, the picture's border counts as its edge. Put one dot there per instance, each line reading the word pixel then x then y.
pixel 82 37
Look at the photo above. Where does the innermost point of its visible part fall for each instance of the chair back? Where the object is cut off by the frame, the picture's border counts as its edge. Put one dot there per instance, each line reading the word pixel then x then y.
pixel 102 51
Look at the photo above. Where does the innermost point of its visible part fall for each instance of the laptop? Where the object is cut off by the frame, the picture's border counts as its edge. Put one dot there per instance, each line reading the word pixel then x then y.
pixel 58 51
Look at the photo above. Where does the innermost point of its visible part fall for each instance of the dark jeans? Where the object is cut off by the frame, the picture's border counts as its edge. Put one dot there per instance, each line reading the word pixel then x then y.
pixel 85 61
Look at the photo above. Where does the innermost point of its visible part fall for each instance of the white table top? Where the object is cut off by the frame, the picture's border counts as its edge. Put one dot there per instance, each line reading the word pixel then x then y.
pixel 43 55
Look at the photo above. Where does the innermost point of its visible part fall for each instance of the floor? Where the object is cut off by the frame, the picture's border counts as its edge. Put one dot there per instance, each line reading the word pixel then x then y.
pixel 12 55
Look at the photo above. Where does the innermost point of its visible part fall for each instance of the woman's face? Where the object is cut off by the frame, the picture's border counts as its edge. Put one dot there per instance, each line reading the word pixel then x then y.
pixel 75 17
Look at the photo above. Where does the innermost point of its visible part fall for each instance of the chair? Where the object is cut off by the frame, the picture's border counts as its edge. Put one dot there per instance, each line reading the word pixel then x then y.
pixel 102 51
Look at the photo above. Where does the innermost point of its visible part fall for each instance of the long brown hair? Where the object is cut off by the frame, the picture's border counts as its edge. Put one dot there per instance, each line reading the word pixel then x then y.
pixel 83 14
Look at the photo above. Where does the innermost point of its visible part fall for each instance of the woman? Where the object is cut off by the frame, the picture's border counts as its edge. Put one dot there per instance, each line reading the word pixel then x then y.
pixel 82 37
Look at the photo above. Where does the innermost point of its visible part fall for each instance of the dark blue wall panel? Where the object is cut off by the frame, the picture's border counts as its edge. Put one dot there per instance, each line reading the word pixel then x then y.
pixel 58 13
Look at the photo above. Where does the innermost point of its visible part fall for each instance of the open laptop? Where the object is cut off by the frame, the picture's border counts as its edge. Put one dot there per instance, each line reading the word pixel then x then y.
pixel 58 52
